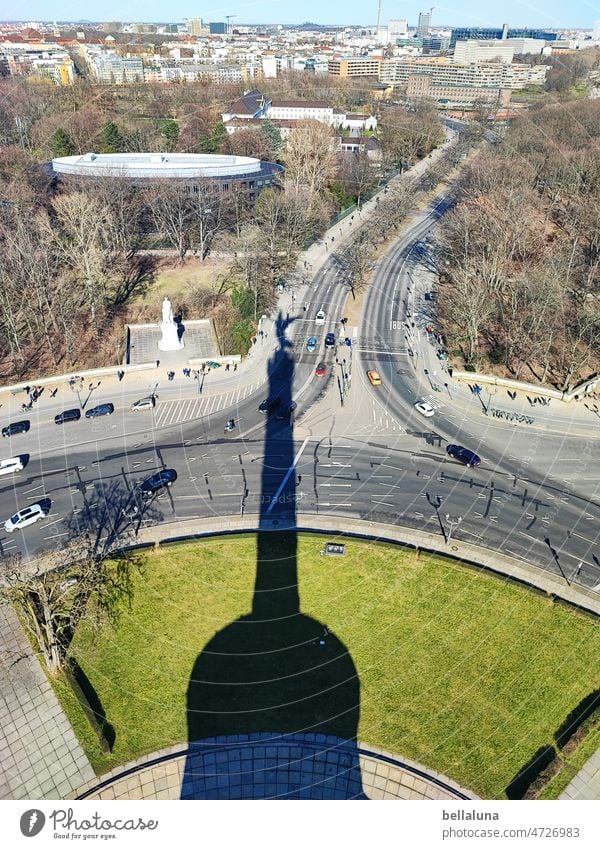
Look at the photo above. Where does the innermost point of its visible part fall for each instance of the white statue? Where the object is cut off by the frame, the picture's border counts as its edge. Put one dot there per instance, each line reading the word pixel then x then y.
pixel 169 340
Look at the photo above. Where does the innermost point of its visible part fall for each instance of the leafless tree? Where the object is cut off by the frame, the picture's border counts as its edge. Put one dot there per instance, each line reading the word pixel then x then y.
pixel 309 156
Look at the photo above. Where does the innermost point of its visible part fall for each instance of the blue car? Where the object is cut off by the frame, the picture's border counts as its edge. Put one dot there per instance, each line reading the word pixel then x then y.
pixel 311 345
pixel 100 410
pixel 463 455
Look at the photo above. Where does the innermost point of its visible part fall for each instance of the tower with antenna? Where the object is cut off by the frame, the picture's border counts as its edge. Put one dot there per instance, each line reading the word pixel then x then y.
pixel 378 15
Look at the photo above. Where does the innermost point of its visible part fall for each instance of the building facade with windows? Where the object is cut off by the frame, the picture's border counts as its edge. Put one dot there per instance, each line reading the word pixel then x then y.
pixel 253 175
pixel 503 32
pixel 355 66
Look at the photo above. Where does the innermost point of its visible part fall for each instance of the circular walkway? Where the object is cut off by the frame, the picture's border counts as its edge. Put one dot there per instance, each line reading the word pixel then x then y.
pixel 268 766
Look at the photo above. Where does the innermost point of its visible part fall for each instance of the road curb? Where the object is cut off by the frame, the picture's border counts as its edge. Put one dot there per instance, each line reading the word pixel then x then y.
pixel 468 554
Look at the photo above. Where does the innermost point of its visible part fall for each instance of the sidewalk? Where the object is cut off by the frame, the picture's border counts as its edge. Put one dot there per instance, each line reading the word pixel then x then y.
pixel 586 784
pixel 40 756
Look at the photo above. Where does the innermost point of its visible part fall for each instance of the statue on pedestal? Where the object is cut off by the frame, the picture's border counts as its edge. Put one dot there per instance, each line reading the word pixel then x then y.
pixel 169 340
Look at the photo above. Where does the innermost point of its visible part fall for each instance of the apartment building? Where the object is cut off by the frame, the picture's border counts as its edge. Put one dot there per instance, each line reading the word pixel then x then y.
pixel 355 66
pixel 502 50
pixel 40 60
pixel 110 69
pixel 444 80
pixel 319 110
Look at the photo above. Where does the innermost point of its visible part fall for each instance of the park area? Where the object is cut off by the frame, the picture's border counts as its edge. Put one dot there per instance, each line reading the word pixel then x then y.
pixel 459 670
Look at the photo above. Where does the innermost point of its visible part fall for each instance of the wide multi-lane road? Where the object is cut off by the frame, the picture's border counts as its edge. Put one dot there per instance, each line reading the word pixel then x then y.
pixel 524 500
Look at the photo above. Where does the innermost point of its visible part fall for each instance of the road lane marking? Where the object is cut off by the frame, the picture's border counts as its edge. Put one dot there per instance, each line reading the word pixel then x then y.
pixel 288 473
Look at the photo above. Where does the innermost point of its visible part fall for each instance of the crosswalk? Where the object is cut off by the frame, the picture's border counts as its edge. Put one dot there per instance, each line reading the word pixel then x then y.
pixel 435 401
pixel 187 409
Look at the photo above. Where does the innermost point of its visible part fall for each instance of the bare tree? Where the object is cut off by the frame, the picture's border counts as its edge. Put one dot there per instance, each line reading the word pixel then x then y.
pixel 309 156
pixel 61 587
pixel 171 208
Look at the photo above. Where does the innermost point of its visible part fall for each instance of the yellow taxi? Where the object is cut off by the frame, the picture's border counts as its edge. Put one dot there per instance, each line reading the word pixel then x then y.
pixel 374 377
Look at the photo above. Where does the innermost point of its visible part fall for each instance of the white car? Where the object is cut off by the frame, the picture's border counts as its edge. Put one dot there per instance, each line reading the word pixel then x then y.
pixel 14 464
pixel 26 516
pixel 424 408
pixel 320 317
pixel 145 403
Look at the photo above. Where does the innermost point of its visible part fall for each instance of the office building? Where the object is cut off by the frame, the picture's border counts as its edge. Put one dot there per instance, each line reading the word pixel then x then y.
pixel 194 26
pixel 424 24
pixel 486 33
pixel 397 29
pixel 355 66
pixel 218 28
pixel 502 50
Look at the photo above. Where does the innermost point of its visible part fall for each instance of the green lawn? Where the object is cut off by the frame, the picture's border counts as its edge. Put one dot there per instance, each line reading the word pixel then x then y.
pixel 457 669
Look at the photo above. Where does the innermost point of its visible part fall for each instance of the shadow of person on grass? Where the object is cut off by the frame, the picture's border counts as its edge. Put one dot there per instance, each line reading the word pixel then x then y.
pixel 273 699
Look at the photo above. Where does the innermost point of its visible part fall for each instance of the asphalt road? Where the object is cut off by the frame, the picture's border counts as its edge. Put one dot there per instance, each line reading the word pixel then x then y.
pixel 534 497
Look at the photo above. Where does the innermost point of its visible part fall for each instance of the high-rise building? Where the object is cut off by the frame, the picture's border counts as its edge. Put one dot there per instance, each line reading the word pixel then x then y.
pixel 398 29
pixel 424 24
pixel 194 26
pixel 596 33
pixel 218 28
pixel 486 33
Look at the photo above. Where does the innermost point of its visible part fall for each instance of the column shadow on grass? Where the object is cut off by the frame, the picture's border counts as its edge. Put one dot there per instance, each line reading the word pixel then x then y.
pixel 273 699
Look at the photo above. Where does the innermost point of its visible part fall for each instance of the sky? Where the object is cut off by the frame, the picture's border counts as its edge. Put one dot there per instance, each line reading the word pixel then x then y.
pixel 556 14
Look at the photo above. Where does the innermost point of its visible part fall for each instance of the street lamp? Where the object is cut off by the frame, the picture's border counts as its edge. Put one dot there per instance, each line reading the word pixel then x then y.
pixel 452 524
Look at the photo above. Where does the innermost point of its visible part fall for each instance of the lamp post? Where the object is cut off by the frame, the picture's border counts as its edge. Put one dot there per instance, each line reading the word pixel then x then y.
pixel 452 523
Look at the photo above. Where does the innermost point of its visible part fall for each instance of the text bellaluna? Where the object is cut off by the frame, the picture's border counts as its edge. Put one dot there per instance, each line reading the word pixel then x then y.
pixel 469 815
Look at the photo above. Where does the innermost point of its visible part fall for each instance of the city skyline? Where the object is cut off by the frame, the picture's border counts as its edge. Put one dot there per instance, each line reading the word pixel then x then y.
pixel 554 14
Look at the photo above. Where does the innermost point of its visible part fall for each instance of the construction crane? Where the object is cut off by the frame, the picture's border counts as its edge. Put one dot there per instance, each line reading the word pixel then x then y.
pixel 229 19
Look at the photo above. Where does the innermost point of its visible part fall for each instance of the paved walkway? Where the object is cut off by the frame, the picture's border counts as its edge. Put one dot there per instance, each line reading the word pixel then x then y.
pixel 262 766
pixel 586 784
pixel 40 756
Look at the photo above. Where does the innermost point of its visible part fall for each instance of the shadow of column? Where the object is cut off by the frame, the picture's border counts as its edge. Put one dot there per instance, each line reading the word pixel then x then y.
pixel 273 699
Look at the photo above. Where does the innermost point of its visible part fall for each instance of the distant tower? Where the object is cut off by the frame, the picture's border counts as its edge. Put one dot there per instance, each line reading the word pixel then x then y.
pixel 378 15
pixel 424 23
pixel 504 32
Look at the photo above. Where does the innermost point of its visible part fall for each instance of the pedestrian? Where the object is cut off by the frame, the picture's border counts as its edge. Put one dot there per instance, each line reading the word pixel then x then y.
pixel 28 389
pixel 333 238
pixel 235 366
pixel 90 386
pixel 53 393
pixel 227 367
pixel 254 339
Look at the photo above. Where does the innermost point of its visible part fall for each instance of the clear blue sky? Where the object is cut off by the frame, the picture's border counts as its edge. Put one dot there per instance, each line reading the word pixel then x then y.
pixel 537 13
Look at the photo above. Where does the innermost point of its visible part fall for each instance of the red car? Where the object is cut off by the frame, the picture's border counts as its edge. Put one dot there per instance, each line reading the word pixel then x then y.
pixel 320 369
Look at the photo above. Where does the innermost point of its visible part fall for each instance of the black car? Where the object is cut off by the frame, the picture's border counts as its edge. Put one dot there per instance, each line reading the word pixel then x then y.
pixel 158 482
pixel 469 458
pixel 286 411
pixel 67 416
pixel 100 410
pixel 330 340
pixel 269 404
pixel 16 427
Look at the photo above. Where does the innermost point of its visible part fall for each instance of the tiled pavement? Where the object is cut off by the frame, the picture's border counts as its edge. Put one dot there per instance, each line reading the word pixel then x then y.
pixel 40 756
pixel 261 766
pixel 586 784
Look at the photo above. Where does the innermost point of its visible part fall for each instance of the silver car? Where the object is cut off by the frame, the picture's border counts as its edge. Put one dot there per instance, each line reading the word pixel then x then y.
pixel 147 403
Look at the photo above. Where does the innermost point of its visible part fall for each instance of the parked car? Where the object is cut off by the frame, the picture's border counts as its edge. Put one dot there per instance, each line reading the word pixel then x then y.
pixel 286 411
pixel 320 317
pixel 311 345
pixel 16 427
pixel 374 377
pixel 147 403
pixel 424 408
pixel 27 516
pixel 321 370
pixel 269 404
pixel 469 458
pixel 13 464
pixel 100 410
pixel 159 481
pixel 67 416
pixel 330 340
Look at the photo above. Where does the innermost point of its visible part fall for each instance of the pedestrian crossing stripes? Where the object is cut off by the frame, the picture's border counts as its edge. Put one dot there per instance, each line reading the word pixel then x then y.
pixel 435 401
pixel 187 409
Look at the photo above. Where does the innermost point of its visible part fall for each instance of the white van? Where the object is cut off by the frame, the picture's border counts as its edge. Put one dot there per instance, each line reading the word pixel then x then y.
pixel 320 317
pixel 14 464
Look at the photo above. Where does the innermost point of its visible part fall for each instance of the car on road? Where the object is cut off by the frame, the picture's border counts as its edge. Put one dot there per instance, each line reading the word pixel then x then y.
pixel 286 411
pixel 321 370
pixel 13 464
pixel 159 481
pixel 100 410
pixel 469 458
pixel 320 317
pixel 424 408
pixel 330 340
pixel 269 405
pixel 374 377
pixel 16 427
pixel 67 416
pixel 311 345
pixel 27 516
pixel 147 403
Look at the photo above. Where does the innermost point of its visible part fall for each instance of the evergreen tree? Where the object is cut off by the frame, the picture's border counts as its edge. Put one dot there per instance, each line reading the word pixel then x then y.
pixel 170 130
pixel 111 140
pixel 62 143
pixel 269 128
pixel 212 143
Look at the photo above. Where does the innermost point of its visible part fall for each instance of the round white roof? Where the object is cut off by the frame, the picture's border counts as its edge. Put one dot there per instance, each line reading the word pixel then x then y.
pixel 185 166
